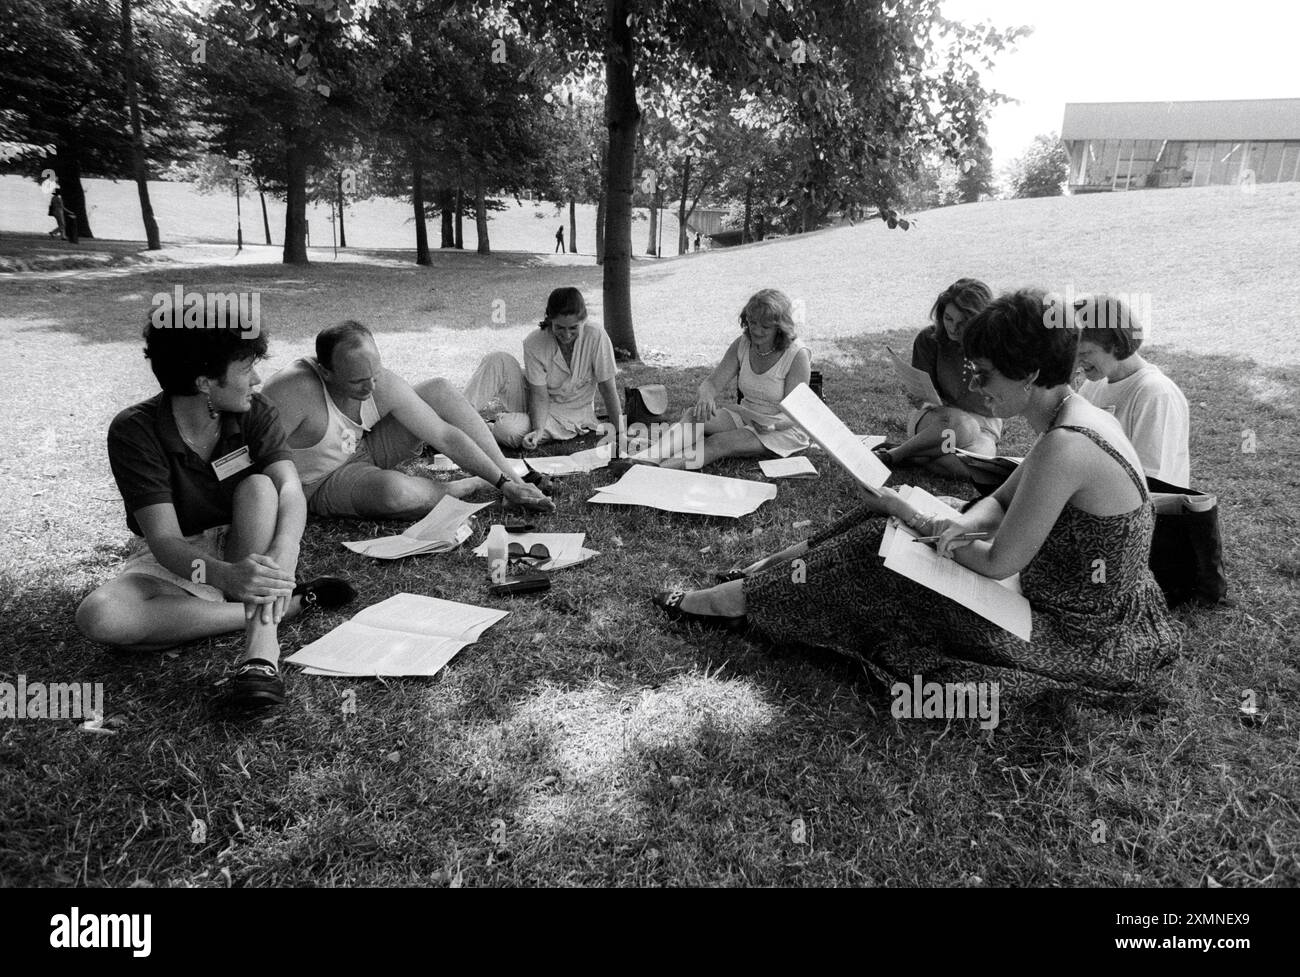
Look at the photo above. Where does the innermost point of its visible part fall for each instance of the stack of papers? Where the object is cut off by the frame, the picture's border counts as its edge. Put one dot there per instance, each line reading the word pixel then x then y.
pixel 404 635
pixel 679 491
pixel 788 468
pixel 807 410
pixel 916 382
pixel 566 549
pixel 442 530
pixel 999 601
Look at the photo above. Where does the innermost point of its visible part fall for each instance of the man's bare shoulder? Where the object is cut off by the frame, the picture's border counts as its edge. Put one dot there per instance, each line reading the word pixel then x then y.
pixel 292 382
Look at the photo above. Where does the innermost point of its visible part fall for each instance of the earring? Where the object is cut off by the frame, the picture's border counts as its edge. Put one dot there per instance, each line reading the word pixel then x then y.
pixel 212 413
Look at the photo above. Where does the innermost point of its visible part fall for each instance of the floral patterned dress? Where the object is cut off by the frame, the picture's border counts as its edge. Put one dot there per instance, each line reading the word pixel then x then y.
pixel 1098 627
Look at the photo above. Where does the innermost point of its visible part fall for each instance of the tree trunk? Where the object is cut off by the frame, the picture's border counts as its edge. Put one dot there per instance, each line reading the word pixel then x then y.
pixel 447 204
pixel 762 224
pixel 266 221
pixel 573 226
pixel 600 229
pixel 138 167
pixel 67 171
pixel 460 217
pixel 343 234
pixel 295 215
pixel 749 197
pixel 622 116
pixel 681 208
pixel 417 200
pixel 654 222
pixel 480 216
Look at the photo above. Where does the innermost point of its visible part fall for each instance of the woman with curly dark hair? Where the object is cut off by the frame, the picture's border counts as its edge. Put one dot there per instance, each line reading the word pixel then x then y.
pixel 1075 521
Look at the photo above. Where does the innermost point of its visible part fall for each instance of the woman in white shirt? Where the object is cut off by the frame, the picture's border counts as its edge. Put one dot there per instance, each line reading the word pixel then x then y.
pixel 551 398
pixel 1148 405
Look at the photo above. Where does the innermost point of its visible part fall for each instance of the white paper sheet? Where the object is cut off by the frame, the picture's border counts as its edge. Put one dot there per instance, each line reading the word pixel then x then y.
pixel 578 463
pixel 998 601
pixel 797 467
pixel 407 634
pixel 682 491
pixel 807 410
pixel 916 382
pixel 443 529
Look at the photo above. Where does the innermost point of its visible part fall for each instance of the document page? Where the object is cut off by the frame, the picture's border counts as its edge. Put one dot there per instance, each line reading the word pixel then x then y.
pixel 916 382
pixel 810 413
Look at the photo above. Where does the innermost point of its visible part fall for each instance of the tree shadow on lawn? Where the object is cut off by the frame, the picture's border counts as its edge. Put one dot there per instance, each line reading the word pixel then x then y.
pixel 297 302
pixel 585 740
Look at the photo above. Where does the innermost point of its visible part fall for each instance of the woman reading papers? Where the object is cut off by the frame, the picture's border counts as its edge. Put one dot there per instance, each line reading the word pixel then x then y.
pixel 1075 522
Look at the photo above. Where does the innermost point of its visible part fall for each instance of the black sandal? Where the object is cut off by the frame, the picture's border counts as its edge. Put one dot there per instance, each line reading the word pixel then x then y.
pixel 670 602
pixel 327 593
pixel 727 576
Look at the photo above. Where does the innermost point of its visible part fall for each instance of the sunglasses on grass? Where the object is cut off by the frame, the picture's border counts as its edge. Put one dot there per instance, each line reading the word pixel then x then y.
pixel 537 551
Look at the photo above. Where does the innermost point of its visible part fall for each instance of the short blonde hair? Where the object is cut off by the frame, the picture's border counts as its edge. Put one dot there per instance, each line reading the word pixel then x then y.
pixel 773 306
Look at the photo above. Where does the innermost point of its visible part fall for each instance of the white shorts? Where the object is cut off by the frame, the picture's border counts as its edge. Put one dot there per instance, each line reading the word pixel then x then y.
pixel 140 560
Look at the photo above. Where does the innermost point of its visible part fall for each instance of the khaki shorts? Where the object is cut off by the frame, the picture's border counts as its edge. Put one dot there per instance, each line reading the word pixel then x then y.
pixel 140 561
pixel 992 426
pixel 386 446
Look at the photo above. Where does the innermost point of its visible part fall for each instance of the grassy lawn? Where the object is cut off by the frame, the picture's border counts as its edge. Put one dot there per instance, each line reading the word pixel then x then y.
pixel 585 741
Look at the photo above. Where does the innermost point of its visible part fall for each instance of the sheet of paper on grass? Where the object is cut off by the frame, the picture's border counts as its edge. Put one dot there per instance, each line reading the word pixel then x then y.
pixel 916 382
pixel 797 467
pixel 998 601
pixel 682 491
pixel 566 549
pixel 807 410
pixel 578 463
pixel 407 634
pixel 443 529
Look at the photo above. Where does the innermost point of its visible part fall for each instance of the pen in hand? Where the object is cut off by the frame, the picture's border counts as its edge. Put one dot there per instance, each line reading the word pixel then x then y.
pixel 933 539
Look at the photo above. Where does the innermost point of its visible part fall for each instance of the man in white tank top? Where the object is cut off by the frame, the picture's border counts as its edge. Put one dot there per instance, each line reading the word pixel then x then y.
pixel 351 422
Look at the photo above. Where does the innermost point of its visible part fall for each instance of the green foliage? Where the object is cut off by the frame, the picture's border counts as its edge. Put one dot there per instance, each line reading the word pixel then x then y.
pixel 1043 170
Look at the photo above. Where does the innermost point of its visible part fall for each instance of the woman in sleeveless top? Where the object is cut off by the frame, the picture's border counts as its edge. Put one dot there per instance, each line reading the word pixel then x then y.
pixel 768 362
pixel 1074 520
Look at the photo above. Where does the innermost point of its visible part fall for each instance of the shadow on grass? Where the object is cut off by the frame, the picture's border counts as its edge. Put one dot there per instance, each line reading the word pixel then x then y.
pixel 584 740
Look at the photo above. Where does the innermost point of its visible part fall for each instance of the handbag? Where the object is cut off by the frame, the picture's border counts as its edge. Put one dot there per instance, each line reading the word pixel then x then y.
pixel 1186 548
pixel 647 405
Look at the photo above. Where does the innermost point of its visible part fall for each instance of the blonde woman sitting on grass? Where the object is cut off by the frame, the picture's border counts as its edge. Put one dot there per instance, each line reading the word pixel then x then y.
pixel 767 362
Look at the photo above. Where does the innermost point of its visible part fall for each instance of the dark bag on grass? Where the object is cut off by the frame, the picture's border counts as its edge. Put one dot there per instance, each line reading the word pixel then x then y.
pixel 1186 549
pixel 647 405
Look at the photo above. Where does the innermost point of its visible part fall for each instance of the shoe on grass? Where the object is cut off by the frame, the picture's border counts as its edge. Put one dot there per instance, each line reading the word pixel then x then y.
pixel 326 593
pixel 256 684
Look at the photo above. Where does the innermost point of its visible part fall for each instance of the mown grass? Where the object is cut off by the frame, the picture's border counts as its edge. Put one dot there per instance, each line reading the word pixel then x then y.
pixel 585 741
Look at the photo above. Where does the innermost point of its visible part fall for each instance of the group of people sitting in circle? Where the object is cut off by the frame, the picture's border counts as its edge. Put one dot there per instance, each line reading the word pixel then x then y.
pixel 217 480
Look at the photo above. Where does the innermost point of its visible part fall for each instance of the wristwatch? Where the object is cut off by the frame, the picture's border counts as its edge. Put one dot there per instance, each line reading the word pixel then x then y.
pixel 501 481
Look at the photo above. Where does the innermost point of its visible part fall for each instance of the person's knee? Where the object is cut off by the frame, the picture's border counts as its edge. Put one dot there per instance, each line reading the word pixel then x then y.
pixel 509 429
pixel 966 431
pixel 257 491
pixel 397 494
pixel 105 618
pixel 435 390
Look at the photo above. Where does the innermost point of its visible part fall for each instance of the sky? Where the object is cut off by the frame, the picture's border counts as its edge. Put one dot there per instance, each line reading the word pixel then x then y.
pixel 1131 51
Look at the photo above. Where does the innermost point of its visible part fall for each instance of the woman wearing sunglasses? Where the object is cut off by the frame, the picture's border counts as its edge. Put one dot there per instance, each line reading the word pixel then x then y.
pixel 1075 522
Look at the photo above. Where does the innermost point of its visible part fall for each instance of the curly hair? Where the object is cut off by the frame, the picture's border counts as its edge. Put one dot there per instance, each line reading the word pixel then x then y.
pixel 179 356
pixel 1013 334
pixel 774 307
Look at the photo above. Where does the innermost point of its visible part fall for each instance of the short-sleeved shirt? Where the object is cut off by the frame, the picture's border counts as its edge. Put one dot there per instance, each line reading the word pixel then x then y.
pixel 1154 415
pixel 571 389
pixel 945 361
pixel 152 464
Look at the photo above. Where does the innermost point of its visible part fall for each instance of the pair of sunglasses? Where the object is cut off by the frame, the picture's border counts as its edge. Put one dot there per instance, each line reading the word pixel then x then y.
pixel 537 551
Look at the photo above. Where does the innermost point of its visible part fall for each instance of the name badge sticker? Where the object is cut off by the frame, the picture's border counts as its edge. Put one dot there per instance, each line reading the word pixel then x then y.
pixel 232 464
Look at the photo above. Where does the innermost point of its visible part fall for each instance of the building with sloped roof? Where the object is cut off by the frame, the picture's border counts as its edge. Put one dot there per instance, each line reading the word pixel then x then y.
pixel 1142 145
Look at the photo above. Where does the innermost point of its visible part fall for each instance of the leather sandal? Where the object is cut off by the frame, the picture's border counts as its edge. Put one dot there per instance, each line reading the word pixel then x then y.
pixel 670 602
